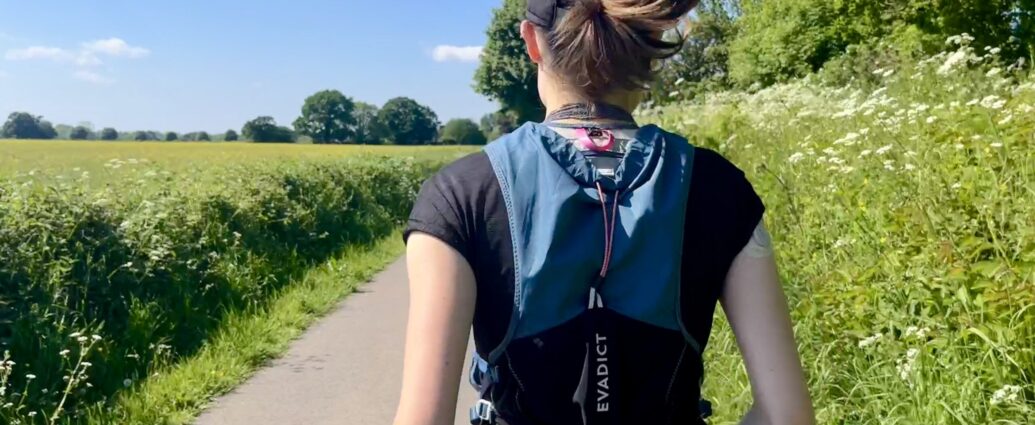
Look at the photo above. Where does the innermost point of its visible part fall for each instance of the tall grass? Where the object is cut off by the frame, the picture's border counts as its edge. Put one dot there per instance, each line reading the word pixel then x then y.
pixel 98 286
pixel 904 220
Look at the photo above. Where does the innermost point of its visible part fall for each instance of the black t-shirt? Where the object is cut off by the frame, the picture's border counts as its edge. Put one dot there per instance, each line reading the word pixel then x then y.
pixel 463 206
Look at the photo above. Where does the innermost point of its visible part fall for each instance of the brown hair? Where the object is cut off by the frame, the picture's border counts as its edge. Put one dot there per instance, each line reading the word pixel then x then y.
pixel 605 45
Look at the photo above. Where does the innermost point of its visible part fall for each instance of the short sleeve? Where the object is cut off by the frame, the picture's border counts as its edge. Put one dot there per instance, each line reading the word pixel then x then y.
pixel 448 206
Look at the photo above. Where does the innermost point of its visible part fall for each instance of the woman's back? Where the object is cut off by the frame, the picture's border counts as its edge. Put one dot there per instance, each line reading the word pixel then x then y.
pixel 589 253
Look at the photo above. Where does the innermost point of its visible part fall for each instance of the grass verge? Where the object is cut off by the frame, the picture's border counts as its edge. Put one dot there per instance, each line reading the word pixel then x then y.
pixel 175 394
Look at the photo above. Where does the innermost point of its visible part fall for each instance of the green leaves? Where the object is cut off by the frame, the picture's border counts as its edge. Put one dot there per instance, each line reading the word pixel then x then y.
pixel 506 74
pixel 327 117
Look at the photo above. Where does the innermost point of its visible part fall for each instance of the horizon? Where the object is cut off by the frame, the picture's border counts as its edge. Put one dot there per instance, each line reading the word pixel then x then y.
pixel 192 66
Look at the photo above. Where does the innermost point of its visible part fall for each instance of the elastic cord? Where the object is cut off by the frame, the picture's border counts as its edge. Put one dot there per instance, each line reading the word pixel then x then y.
pixel 609 228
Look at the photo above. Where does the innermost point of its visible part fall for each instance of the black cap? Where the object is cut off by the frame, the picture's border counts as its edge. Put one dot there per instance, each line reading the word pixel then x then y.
pixel 545 13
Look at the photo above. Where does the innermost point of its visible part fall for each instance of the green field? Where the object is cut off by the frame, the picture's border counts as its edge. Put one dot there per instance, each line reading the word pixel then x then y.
pixel 107 160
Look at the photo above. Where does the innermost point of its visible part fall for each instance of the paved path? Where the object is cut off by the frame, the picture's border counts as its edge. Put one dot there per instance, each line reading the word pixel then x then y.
pixel 345 370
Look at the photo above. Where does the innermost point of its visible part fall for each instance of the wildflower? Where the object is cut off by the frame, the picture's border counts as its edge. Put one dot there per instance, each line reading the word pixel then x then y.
pixel 75 335
pixel 796 158
pixel 888 73
pixel 973 102
pixel 931 119
pixel 866 342
pixel 906 366
pixel 96 337
pixel 87 364
pixel 914 331
pixel 996 145
pixel 32 414
pixel 993 72
pixel 952 62
pixel 1006 120
pixel 865 153
pixel 1008 393
pixel 30 376
pixel 995 51
pixel 957 186
pixel 959 146
pixel 82 339
pixel 8 405
pixel 889 165
pixel 64 353
pixel 909 167
pixel 993 102
pixel 884 150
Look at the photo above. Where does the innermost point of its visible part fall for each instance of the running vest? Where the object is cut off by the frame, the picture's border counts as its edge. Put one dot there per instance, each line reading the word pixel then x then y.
pixel 595 335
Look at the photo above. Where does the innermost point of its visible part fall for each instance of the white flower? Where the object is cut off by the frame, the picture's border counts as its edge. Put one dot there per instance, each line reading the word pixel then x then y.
pixel 973 102
pixel 931 119
pixel 993 72
pixel 993 102
pixel 996 145
pixel 889 73
pixel 865 153
pixel 995 51
pixel 96 337
pixel 889 165
pixel 957 186
pixel 959 146
pixel 30 376
pixel 64 353
pixel 32 414
pixel 796 158
pixel 909 167
pixel 87 364
pixel 75 335
pixel 952 62
pixel 1008 393
pixel 81 339
pixel 869 341
pixel 884 150
pixel 1006 120
pixel 905 367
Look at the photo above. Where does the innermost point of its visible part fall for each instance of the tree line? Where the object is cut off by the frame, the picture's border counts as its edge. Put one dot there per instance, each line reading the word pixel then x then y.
pixel 745 44
pixel 327 117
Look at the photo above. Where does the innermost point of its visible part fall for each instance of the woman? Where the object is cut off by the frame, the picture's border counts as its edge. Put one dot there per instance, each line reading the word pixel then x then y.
pixel 574 321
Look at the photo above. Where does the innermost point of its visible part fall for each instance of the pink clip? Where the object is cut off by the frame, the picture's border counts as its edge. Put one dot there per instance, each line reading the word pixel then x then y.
pixel 587 142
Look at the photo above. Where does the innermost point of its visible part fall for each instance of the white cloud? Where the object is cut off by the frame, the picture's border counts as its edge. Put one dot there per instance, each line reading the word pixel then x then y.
pixel 92 77
pixel 447 53
pixel 115 47
pixel 39 52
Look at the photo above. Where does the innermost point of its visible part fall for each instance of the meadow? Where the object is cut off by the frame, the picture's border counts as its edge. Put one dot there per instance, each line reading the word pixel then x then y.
pixel 127 264
pixel 903 215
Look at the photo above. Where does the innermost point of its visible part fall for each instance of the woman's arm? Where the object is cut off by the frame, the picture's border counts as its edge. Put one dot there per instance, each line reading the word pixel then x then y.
pixel 756 307
pixel 442 298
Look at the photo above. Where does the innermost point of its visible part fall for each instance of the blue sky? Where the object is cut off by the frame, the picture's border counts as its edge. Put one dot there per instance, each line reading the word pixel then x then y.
pixel 194 65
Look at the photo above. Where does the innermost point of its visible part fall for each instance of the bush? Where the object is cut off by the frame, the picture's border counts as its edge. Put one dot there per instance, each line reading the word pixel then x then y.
pixel 901 213
pixel 230 136
pixel 151 272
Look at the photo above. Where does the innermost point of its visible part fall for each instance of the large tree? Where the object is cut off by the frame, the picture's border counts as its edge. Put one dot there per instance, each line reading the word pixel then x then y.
pixel 462 131
pixel 23 125
pixel 367 127
pixel 171 136
pixel 407 122
pixel 109 133
pixel 327 117
pixel 230 136
pixel 79 133
pixel 506 74
pixel 264 129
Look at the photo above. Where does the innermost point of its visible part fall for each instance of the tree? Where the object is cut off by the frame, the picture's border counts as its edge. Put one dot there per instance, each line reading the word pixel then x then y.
pixel 407 122
pixel 462 131
pixel 702 64
pixel 230 136
pixel 327 117
pixel 109 134
pixel 366 128
pixel 506 74
pixel 143 136
pixel 171 137
pixel 202 136
pixel 79 133
pixel 264 129
pixel 23 125
pixel 499 123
